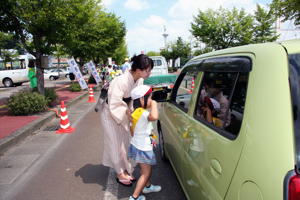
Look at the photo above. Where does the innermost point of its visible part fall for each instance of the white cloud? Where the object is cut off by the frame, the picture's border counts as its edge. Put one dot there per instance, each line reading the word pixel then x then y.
pixel 155 20
pixel 136 5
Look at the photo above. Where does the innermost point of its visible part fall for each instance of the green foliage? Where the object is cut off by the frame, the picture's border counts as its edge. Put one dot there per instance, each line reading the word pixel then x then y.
pixel 50 94
pixel 223 28
pixel 91 79
pixel 25 102
pixel 153 53
pixel 288 10
pixel 263 29
pixel 176 49
pixel 39 25
pixel 120 53
pixel 75 87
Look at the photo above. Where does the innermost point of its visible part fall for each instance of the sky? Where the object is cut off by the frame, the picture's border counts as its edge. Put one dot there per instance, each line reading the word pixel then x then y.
pixel 146 20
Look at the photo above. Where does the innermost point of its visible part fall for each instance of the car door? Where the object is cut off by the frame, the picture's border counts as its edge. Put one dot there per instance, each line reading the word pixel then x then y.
pixel 174 125
pixel 211 153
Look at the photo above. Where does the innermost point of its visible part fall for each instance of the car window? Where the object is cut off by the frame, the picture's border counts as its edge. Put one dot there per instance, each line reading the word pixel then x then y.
pixel 222 95
pixel 182 91
pixel 157 63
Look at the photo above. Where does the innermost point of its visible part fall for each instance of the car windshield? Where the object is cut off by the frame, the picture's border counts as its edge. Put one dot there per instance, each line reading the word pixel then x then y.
pixel 294 63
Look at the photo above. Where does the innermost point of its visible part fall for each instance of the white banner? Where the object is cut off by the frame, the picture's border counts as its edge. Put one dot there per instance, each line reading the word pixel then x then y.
pixel 109 61
pixel 93 69
pixel 72 63
pixel 170 63
pixel 177 62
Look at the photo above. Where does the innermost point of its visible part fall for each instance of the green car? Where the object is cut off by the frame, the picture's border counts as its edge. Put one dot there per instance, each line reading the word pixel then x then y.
pixel 230 126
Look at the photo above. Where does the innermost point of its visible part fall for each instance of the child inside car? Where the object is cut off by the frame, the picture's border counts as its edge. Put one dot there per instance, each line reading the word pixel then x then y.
pixel 210 110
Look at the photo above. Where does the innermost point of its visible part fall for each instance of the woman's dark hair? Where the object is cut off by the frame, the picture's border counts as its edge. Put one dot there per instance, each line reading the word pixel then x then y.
pixel 141 62
pixel 31 63
pixel 137 102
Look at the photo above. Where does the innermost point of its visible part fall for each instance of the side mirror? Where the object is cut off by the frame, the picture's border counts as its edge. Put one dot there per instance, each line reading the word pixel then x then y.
pixel 159 95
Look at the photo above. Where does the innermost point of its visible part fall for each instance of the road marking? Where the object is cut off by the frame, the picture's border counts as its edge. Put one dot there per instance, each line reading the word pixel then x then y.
pixel 62 87
pixel 111 187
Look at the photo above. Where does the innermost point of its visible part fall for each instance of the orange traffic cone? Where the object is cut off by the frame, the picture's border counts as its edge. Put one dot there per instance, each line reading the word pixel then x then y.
pixel 104 81
pixel 91 96
pixel 192 86
pixel 64 121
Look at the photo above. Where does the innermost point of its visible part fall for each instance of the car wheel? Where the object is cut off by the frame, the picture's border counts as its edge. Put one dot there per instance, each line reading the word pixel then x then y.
pixel 161 145
pixel 51 78
pixel 67 75
pixel 8 82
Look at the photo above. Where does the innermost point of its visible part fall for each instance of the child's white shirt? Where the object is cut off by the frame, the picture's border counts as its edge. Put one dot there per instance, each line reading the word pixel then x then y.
pixel 141 138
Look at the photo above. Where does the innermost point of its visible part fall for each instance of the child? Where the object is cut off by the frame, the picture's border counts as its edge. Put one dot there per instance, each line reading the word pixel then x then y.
pixel 210 111
pixel 141 145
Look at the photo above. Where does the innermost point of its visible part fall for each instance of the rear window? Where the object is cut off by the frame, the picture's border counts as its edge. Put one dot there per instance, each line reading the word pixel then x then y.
pixel 294 63
pixel 157 63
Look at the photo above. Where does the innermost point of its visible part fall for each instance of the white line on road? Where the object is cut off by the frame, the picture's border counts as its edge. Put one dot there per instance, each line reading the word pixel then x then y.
pixel 111 187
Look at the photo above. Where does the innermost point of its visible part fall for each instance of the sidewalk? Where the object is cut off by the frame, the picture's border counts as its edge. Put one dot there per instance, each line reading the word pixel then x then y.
pixel 15 128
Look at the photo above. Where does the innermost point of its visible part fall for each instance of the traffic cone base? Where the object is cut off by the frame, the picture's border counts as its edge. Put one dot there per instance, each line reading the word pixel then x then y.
pixel 67 130
pixel 91 96
pixel 64 121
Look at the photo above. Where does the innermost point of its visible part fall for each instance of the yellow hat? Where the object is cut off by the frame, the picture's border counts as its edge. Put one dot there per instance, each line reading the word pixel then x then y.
pixel 126 59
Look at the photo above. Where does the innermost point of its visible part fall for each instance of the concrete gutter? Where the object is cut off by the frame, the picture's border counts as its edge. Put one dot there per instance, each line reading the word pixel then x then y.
pixel 19 135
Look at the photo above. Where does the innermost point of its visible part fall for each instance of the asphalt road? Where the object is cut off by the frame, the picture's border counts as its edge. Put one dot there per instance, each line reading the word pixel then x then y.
pixel 68 166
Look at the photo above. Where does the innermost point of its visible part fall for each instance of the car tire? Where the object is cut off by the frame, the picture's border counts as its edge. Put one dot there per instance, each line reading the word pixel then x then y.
pixel 52 78
pixel 161 144
pixel 7 82
pixel 67 75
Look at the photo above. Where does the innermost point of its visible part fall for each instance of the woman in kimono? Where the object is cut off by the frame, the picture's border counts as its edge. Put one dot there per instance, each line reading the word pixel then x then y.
pixel 116 116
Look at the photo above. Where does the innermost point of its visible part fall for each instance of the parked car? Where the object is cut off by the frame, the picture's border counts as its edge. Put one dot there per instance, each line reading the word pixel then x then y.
pixel 51 75
pixel 255 152
pixel 62 72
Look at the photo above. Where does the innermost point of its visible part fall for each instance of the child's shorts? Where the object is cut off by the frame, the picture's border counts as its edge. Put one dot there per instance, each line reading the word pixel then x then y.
pixel 145 157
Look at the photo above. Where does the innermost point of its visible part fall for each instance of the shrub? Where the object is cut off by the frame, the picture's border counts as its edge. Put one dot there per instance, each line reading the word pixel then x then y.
pixel 91 79
pixel 25 102
pixel 50 94
pixel 75 87
pixel 170 69
pixel 175 69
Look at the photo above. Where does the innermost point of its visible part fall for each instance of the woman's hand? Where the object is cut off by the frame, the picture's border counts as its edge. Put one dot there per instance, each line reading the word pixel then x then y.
pixel 128 113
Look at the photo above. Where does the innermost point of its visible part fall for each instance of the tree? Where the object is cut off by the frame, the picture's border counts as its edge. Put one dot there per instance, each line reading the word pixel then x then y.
pixel 176 49
pixel 121 53
pixel 40 24
pixel 153 53
pixel 263 27
pixel 222 29
pixel 288 9
pixel 98 39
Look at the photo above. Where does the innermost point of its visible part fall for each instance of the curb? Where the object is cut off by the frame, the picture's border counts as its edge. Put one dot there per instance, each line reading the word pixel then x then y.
pixel 19 135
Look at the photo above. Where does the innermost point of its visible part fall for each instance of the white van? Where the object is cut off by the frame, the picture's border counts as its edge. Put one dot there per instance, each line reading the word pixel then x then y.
pixel 15 72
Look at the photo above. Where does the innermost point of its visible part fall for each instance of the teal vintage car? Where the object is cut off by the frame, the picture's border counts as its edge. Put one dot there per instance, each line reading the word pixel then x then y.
pixel 247 146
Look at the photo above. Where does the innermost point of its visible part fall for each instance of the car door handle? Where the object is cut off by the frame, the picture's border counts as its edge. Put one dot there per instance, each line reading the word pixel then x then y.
pixel 215 168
